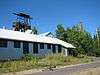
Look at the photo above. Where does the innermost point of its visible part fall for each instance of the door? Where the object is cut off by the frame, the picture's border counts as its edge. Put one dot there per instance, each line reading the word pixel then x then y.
pixel 25 47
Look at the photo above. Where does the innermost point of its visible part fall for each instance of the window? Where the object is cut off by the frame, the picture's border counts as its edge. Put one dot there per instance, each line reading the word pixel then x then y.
pixel 35 48
pixel 48 46
pixel 25 47
pixel 3 43
pixel 54 48
pixel 41 45
pixel 16 44
pixel 59 48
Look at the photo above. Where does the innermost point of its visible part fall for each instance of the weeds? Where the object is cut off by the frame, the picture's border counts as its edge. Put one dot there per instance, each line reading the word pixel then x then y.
pixel 30 62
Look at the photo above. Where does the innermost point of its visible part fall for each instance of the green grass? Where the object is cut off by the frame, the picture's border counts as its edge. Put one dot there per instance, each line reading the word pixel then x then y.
pixel 29 62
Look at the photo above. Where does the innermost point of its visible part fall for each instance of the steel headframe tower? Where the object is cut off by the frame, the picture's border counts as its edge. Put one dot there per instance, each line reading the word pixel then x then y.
pixel 22 22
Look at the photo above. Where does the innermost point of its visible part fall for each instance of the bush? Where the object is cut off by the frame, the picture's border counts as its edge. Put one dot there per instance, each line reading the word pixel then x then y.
pixel 97 52
pixel 82 56
pixel 30 62
pixel 54 59
pixel 28 57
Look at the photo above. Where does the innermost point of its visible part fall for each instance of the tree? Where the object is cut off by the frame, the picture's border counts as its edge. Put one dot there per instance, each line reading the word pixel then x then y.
pixel 96 42
pixel 60 31
pixel 98 36
pixel 82 40
pixel 34 30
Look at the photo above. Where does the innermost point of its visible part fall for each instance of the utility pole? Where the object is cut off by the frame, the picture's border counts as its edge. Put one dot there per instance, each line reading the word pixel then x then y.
pixel 81 26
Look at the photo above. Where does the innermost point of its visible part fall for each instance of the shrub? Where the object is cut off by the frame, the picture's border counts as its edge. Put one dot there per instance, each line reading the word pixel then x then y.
pixel 30 62
pixel 28 57
pixel 82 56
pixel 54 59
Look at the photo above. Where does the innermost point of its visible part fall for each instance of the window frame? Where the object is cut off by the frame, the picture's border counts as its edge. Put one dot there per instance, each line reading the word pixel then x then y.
pixel 35 48
pixel 3 43
pixel 25 47
pixel 59 49
pixel 48 46
pixel 41 45
pixel 17 44
pixel 54 48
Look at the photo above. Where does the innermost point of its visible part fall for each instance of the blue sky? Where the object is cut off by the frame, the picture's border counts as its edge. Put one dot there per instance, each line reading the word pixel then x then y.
pixel 48 13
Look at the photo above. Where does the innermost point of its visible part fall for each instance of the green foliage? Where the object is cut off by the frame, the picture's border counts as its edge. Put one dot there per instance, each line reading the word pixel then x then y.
pixel 54 59
pixel 82 56
pixel 34 30
pixel 81 39
pixel 96 44
pixel 97 52
pixel 28 57
pixel 60 31
pixel 60 59
pixel 31 63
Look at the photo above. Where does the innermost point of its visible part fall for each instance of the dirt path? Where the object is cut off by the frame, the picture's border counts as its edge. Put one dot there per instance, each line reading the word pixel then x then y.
pixel 92 71
pixel 69 70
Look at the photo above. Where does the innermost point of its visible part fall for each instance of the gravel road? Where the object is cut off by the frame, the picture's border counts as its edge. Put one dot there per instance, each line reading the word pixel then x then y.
pixel 69 70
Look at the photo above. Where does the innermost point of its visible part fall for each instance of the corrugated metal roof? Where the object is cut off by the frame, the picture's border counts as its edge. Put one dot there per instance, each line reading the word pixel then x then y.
pixel 16 35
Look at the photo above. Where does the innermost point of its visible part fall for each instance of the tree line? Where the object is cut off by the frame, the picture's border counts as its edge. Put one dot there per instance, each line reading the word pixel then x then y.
pixel 84 42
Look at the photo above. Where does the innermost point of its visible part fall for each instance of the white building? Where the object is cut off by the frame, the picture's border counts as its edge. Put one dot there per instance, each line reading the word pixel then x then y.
pixel 14 45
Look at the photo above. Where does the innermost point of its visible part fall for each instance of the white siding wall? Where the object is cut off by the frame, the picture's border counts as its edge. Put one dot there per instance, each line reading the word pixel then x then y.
pixel 10 52
pixel 15 53
pixel 42 52
pixel 65 51
pixel 56 49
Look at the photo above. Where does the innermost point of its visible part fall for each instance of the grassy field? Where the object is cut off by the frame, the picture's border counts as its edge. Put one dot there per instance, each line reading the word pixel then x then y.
pixel 29 62
pixel 92 71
